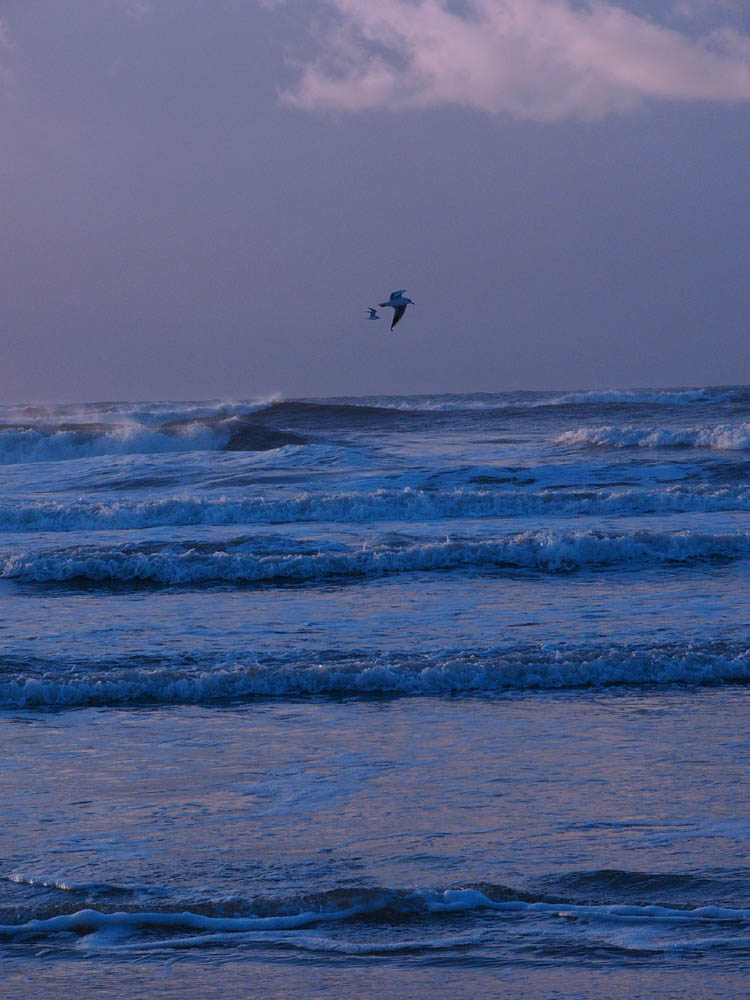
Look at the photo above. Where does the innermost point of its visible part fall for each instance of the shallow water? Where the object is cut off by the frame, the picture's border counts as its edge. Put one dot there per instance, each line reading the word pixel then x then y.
pixel 397 695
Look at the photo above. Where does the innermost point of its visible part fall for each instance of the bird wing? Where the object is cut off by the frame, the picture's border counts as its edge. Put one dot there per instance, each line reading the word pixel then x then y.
pixel 398 294
pixel 398 312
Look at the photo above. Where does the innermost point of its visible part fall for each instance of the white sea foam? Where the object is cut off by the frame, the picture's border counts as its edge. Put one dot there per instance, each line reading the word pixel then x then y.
pixel 265 561
pixel 376 905
pixel 66 433
pixel 481 672
pixel 29 444
pixel 646 396
pixel 470 899
pixel 90 921
pixel 406 504
pixel 723 437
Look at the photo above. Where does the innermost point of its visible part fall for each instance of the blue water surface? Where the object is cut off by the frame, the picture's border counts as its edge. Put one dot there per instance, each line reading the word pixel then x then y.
pixel 401 696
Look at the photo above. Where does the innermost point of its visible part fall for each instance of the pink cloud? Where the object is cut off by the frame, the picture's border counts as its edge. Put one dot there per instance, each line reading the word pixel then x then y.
pixel 534 59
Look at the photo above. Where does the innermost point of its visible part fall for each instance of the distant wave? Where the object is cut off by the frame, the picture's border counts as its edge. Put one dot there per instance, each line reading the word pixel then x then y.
pixel 406 504
pixel 265 560
pixel 391 407
pixel 523 400
pixel 520 401
pixel 648 396
pixel 235 432
pixel 724 437
pixel 61 442
pixel 43 684
pixel 58 433
pixel 143 412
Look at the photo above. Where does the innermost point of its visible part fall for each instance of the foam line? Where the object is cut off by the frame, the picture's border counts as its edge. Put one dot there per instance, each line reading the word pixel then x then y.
pixel 546 551
pixel 481 672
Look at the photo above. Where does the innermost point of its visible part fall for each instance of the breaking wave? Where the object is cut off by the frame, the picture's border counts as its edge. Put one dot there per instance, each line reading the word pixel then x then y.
pixel 406 504
pixel 49 434
pixel 383 908
pixel 390 407
pixel 44 684
pixel 724 437
pixel 267 560
pixel 519 401
pixel 39 442
pixel 649 396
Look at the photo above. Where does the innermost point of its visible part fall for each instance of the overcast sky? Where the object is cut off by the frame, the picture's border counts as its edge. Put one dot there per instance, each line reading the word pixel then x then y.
pixel 200 198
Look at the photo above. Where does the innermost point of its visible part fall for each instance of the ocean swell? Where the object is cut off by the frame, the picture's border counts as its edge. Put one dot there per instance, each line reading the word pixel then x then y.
pixel 723 437
pixel 43 684
pixel 382 907
pixel 265 560
pixel 57 442
pixel 362 507
pixel 649 397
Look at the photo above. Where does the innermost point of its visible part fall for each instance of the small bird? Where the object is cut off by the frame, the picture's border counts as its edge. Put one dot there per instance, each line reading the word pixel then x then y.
pixel 398 303
pixel 373 313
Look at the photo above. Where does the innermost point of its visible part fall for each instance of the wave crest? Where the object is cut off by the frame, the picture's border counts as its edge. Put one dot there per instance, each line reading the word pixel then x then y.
pixel 724 437
pixel 56 443
pixel 406 504
pixel 380 906
pixel 43 684
pixel 265 560
pixel 648 396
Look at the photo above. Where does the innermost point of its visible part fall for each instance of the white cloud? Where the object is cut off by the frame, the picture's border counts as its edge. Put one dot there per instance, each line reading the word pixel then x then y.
pixel 535 59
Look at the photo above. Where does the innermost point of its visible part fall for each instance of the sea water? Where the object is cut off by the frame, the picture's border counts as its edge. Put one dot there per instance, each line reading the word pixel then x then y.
pixel 396 696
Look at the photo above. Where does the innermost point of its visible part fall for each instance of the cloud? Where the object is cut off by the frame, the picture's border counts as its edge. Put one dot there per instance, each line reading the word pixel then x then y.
pixel 137 8
pixel 6 73
pixel 533 59
pixel 702 8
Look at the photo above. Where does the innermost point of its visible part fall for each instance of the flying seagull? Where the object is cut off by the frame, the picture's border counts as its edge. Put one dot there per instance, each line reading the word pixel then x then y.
pixel 373 313
pixel 398 303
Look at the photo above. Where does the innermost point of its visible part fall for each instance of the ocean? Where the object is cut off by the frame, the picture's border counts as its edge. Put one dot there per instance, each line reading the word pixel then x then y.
pixel 404 696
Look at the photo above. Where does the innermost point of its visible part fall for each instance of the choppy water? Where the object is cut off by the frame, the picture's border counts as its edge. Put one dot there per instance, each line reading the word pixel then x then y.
pixel 396 695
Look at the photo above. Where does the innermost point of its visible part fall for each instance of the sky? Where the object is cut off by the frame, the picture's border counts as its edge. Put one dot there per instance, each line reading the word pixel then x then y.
pixel 201 198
